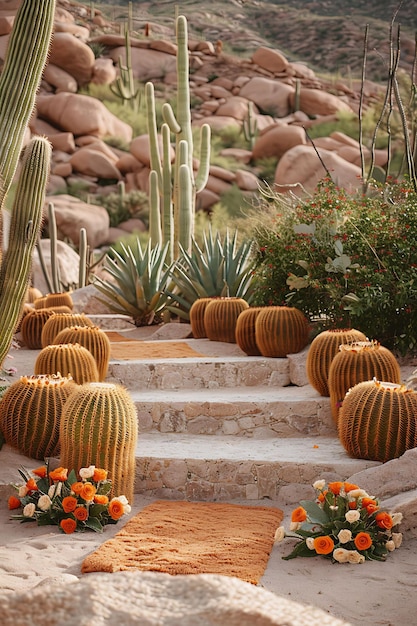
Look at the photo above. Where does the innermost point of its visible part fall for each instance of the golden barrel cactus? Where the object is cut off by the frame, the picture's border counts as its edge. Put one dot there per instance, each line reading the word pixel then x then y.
pixel 281 330
pixel 31 327
pixel 68 359
pixel 322 351
pixel 220 318
pixel 356 363
pixel 99 427
pixel 92 338
pixel 197 311
pixel 378 420
pixel 30 411
pixel 58 322
pixel 59 299
pixel 245 331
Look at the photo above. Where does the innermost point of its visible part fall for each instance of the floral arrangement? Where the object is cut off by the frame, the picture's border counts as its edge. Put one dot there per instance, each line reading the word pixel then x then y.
pixel 344 524
pixel 60 498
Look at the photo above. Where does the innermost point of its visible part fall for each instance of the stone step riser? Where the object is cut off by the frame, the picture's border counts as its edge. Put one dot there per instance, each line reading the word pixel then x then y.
pixel 210 373
pixel 259 420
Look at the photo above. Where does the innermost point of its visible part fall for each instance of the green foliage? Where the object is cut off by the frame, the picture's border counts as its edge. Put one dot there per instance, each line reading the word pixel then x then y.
pixel 138 279
pixel 219 268
pixel 121 207
pixel 344 261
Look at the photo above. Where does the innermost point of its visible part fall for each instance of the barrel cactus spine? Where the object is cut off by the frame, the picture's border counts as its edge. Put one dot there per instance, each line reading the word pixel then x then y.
pixel 220 318
pixel 20 78
pixel 69 359
pixel 30 411
pixel 245 331
pixel 358 362
pixel 197 311
pixel 92 338
pixel 322 351
pixel 32 326
pixel 59 321
pixel 59 299
pixel 99 427
pixel 281 330
pixel 377 420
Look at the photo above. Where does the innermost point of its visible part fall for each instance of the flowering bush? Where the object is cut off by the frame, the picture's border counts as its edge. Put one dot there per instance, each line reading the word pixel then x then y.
pixel 340 259
pixel 344 524
pixel 74 504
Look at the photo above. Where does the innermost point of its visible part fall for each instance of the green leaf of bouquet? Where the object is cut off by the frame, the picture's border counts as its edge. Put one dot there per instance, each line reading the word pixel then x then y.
pixel 72 477
pixel 315 512
pixel 105 488
pixel 300 550
pixel 94 524
pixel 96 510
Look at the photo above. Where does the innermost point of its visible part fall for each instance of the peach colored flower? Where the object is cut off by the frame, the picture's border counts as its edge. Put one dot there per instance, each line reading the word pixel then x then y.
pixel 44 503
pixel 99 474
pixel 69 503
pixel 344 535
pixel 88 492
pixel 116 509
pixel 352 516
pixel 87 472
pixel 340 555
pixel 354 557
pixel 76 487
pixel 299 515
pixel 323 544
pixel 60 474
pixel 68 525
pixel 29 510
pixel 100 499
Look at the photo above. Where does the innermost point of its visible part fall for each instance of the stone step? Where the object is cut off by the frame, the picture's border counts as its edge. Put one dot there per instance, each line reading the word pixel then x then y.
pixel 197 467
pixel 256 412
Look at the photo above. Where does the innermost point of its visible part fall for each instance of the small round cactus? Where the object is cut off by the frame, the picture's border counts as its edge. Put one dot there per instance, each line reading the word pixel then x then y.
pixel 92 338
pixel 31 327
pixel 197 311
pixel 59 299
pixel 281 330
pixel 220 317
pixel 68 359
pixel 245 331
pixel 58 322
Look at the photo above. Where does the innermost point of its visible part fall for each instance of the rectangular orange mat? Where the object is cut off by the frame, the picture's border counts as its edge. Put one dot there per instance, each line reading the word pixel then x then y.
pixel 135 349
pixel 192 538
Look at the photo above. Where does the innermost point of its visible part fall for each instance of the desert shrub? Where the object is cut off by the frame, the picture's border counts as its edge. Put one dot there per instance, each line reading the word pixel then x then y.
pixel 343 260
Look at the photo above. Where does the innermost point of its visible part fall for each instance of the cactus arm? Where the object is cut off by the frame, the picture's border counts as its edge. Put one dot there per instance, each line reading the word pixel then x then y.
pixel 155 156
pixel 53 237
pixel 204 167
pixel 170 119
pixel 83 253
pixel 155 230
pixel 25 225
pixel 185 221
pixel 19 81
pixel 167 209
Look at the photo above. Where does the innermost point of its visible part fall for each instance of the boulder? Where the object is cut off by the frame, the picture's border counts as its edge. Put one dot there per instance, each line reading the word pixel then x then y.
pixel 158 599
pixel 218 122
pixel 139 148
pixel 72 55
pixel 318 102
pixel 300 170
pixel 269 59
pixel 68 263
pixel 62 142
pixel 93 162
pixel 270 96
pixel 247 181
pixel 104 72
pixel 81 115
pixel 276 140
pixel 80 32
pixel 235 106
pixel 71 214
pixel 147 64
pixel 6 24
pixel 60 79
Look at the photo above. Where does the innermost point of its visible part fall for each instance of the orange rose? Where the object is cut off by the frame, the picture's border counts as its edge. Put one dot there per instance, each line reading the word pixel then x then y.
pixel 350 487
pixel 59 474
pixel 87 492
pixel 40 471
pixel 98 499
pixel 371 508
pixel 363 541
pixel 383 520
pixel 76 487
pixel 367 501
pixel 322 496
pixel 68 525
pixel 353 504
pixel 116 509
pixel 335 487
pixel 99 474
pixel 31 485
pixel 299 515
pixel 13 503
pixel 69 503
pixel 323 544
pixel 81 513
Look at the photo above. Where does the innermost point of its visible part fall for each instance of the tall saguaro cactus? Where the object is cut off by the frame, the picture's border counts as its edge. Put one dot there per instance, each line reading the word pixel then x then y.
pixel 178 196
pixel 25 59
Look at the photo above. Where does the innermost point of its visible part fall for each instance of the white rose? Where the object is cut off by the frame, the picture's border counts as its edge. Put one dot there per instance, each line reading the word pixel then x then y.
pixel 29 510
pixel 279 534
pixel 310 543
pixel 397 518
pixel 87 472
pixel 319 484
pixel 397 538
pixel 353 556
pixel 44 503
pixel 22 491
pixel 344 535
pixel 352 516
pixel 358 493
pixel 340 555
pixel 390 546
pixel 125 502
pixel 294 526
pixel 55 490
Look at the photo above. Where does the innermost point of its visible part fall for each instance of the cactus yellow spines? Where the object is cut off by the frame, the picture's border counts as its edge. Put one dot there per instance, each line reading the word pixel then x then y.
pixel 197 311
pixel 39 303
pixel 322 351
pixel 59 309
pixel 378 420
pixel 70 359
pixel 92 338
pixel 59 299
pixel 356 363
pixel 32 294
pixel 99 427
pixel 30 411
pixel 58 322
pixel 281 330
pixel 32 326
pixel 245 331
pixel 220 318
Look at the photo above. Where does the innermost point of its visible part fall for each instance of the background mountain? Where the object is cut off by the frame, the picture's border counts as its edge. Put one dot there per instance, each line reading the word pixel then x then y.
pixel 328 35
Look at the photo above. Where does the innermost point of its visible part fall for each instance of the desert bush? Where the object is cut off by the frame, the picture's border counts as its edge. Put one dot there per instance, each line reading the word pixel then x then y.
pixel 343 260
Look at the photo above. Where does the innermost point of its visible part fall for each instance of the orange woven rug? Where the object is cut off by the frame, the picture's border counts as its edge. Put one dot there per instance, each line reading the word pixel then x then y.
pixel 129 349
pixel 192 538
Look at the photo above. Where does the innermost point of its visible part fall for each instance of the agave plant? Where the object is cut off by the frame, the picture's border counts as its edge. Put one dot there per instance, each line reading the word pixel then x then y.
pixel 218 268
pixel 139 277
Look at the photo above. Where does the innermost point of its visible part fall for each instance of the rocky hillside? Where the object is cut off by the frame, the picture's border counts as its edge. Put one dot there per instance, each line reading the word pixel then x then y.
pixel 328 35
